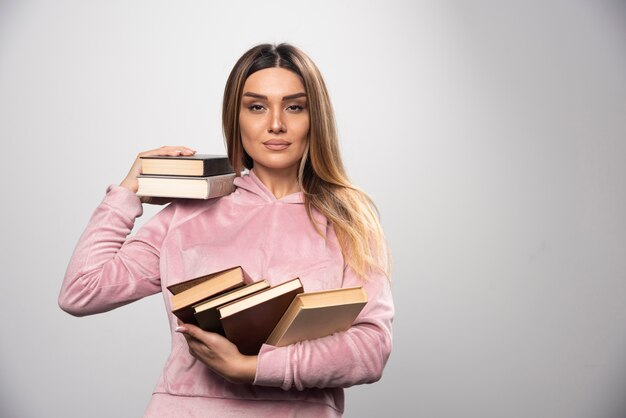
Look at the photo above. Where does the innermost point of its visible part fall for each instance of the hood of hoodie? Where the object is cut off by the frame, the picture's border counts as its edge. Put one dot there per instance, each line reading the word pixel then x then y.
pixel 257 192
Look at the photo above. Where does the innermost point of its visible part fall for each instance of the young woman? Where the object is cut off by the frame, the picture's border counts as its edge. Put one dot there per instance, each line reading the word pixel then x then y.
pixel 294 214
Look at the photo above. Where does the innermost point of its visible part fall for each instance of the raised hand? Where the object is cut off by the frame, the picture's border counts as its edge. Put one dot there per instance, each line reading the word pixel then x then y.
pixel 130 181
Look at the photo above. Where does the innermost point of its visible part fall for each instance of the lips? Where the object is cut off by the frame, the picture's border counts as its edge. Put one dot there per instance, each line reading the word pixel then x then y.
pixel 276 144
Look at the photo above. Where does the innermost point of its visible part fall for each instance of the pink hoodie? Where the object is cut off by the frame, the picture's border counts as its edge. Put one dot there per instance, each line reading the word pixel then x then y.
pixel 271 239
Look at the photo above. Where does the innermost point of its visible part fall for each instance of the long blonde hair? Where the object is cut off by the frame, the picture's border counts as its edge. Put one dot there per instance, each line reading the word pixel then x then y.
pixel 321 175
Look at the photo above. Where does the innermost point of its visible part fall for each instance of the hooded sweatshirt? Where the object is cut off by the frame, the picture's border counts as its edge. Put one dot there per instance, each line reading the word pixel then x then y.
pixel 271 239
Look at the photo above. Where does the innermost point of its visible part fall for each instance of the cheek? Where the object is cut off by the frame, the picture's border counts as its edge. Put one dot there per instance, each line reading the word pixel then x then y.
pixel 303 128
pixel 247 128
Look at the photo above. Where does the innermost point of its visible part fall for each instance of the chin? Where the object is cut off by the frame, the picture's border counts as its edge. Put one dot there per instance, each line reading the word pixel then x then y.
pixel 273 164
pixel 278 167
pixel 276 161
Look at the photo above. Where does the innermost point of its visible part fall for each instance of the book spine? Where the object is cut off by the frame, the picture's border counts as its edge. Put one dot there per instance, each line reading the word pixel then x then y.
pixel 220 186
pixel 217 167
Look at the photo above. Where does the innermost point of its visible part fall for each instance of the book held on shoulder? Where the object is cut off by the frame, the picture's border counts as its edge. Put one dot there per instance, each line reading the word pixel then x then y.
pixel 251 314
pixel 186 187
pixel 200 165
pixel 199 176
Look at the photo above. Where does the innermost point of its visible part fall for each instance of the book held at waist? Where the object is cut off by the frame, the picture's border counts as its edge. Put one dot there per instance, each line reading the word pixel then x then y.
pixel 253 314
pixel 249 321
pixel 206 313
pixel 186 187
pixel 313 315
pixel 201 165
pixel 191 292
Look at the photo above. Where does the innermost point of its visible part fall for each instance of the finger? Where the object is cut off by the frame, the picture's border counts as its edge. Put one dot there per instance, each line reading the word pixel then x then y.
pixel 185 150
pixel 181 148
pixel 209 339
pixel 182 329
pixel 169 150
pixel 191 331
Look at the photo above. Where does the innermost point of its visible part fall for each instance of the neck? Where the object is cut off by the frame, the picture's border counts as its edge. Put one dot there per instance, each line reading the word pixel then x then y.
pixel 281 182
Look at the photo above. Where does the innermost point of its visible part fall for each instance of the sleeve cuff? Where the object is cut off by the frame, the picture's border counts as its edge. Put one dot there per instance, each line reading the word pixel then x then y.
pixel 273 368
pixel 123 200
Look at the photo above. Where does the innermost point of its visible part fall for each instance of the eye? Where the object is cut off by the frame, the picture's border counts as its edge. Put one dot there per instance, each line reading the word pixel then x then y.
pixel 295 108
pixel 255 107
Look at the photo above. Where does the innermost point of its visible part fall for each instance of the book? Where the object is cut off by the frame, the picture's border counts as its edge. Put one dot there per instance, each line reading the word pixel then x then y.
pixel 201 165
pixel 313 315
pixel 190 292
pixel 206 312
pixel 186 187
pixel 248 322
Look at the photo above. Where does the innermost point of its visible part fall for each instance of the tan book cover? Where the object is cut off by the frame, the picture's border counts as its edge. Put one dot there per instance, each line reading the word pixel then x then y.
pixel 206 312
pixel 202 165
pixel 191 292
pixel 185 187
pixel 314 315
pixel 249 321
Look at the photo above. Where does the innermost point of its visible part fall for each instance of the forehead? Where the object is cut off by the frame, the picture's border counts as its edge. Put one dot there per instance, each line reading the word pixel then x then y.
pixel 274 82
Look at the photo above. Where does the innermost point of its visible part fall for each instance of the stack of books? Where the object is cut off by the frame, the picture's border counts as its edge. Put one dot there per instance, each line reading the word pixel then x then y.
pixel 251 314
pixel 199 176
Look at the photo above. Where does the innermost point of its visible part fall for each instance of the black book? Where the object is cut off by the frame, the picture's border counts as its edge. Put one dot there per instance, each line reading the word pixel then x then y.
pixel 198 165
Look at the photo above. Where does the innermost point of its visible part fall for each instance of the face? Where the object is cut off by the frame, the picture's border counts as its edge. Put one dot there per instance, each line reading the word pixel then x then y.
pixel 274 120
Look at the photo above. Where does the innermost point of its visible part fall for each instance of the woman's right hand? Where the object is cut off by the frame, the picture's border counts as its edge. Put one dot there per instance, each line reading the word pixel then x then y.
pixel 130 181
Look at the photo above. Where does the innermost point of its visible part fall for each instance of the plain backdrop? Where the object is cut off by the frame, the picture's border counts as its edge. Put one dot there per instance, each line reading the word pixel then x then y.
pixel 491 134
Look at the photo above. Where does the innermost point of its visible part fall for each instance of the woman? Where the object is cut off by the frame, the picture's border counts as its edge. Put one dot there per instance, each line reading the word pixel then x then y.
pixel 294 214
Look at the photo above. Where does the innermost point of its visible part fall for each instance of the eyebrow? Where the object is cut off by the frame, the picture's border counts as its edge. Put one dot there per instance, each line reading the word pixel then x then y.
pixel 260 96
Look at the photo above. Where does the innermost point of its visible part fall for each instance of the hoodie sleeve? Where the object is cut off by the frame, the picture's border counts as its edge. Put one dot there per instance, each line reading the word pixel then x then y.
pixel 107 270
pixel 343 359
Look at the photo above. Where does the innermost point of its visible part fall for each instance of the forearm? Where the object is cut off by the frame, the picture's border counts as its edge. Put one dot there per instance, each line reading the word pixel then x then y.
pixel 343 359
pixel 245 371
pixel 100 275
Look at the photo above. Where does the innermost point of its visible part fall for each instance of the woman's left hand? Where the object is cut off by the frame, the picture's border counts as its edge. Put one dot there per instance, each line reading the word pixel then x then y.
pixel 219 354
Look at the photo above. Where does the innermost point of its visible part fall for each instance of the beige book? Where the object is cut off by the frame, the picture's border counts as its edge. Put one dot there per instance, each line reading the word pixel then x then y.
pixel 313 315
pixel 186 187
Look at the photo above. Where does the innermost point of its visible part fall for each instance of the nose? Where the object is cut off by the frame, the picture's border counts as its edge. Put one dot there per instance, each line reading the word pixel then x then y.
pixel 276 124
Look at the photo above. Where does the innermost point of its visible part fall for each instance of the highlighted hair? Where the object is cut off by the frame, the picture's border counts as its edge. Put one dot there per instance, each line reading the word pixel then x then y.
pixel 321 175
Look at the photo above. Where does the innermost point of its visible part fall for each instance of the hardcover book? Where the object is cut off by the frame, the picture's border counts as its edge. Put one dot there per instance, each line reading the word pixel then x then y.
pixel 190 292
pixel 249 321
pixel 313 315
pixel 186 187
pixel 202 165
pixel 206 312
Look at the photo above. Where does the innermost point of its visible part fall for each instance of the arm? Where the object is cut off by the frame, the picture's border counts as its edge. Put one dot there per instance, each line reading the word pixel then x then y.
pixel 355 356
pixel 344 359
pixel 107 270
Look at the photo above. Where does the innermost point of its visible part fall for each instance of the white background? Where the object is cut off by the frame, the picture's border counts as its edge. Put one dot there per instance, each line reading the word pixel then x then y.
pixel 491 134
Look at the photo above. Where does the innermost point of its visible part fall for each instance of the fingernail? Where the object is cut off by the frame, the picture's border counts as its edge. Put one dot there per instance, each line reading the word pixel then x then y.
pixel 181 329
